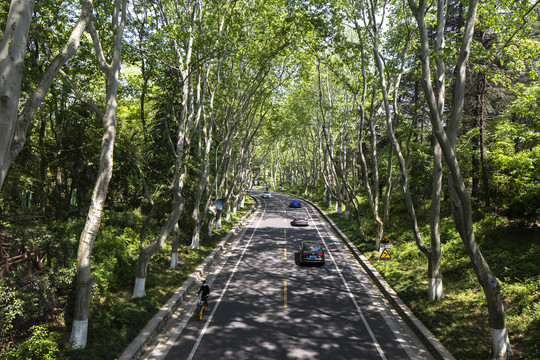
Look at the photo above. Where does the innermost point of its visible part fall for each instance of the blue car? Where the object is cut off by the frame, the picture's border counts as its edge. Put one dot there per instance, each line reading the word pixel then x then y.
pixel 295 204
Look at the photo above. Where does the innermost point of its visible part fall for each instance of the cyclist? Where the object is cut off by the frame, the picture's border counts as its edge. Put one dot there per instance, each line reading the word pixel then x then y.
pixel 205 290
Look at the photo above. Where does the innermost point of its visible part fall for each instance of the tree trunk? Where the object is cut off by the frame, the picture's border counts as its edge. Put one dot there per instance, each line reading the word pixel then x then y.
pixel 392 137
pixel 12 54
pixel 204 177
pixel 235 204
pixel 435 291
pixel 461 204
pixel 89 234
pixel 481 127
pixel 210 227
pixel 196 236
pixel 174 251
pixel 188 120
pixel 13 138
pixel 148 251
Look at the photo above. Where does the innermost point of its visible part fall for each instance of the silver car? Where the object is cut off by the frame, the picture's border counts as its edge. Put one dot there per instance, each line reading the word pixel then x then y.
pixel 266 195
pixel 300 220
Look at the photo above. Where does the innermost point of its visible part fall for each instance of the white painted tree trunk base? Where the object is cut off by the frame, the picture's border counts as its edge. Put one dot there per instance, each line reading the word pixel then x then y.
pixel 138 289
pixel 210 227
pixel 195 241
pixel 174 260
pixel 218 223
pixel 79 331
pixel 347 214
pixel 500 343
pixel 234 210
pixel 435 289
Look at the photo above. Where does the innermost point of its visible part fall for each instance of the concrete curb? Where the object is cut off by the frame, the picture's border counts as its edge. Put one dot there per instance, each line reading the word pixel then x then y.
pixel 137 347
pixel 430 341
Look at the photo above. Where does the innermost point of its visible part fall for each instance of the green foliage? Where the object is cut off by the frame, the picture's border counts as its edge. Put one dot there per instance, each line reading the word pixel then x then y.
pixel 66 241
pixel 11 308
pixel 512 252
pixel 526 205
pixel 115 316
pixel 39 346
pixel 31 299
pixel 420 173
pixel 36 299
pixel 514 156
pixel 115 251
pixel 523 297
pixel 527 106
pixel 271 46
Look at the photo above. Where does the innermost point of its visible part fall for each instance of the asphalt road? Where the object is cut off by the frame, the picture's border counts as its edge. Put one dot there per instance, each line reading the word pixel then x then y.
pixel 264 305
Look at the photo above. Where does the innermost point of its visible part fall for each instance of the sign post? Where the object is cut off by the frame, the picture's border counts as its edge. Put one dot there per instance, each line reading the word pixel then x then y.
pixel 384 245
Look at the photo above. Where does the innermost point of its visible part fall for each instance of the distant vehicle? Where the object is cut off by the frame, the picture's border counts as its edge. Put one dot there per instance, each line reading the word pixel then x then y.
pixel 295 204
pixel 300 220
pixel 311 252
pixel 266 195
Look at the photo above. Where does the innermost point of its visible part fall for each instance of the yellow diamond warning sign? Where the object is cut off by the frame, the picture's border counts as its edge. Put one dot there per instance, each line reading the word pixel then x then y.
pixel 385 255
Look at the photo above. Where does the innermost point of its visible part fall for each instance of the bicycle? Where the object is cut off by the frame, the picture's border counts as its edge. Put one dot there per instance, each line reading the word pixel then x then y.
pixel 202 306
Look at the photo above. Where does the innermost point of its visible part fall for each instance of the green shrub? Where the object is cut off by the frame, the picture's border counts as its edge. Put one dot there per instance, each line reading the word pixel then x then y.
pixel 115 255
pixel 39 346
pixel 11 307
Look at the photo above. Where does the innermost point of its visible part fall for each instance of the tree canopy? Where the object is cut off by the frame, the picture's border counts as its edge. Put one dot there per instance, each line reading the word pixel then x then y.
pixel 366 106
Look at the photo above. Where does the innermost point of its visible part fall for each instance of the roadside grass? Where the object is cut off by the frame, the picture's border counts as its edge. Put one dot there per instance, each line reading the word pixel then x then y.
pixel 460 320
pixel 116 317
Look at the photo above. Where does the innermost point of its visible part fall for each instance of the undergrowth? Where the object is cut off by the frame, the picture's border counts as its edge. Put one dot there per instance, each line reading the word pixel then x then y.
pixel 115 317
pixel 460 320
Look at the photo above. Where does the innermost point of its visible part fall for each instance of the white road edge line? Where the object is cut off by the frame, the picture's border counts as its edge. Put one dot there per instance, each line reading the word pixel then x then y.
pixel 364 320
pixel 214 308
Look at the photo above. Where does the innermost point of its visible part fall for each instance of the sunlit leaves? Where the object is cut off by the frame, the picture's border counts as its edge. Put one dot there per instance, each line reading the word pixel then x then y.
pixel 527 106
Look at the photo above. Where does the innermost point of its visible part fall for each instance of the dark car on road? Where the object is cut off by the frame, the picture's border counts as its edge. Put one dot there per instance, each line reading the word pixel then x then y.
pixel 295 204
pixel 311 252
pixel 300 220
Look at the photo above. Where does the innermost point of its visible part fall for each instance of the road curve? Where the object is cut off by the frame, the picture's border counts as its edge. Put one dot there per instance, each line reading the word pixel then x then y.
pixel 264 305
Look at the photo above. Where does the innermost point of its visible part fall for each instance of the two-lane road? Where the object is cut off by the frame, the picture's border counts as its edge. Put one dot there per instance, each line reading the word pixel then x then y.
pixel 263 305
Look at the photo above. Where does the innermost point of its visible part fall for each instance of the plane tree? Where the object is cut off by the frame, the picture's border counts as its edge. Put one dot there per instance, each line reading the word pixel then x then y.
pixel 447 138
pixel 111 73
pixel 181 23
pixel 13 52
